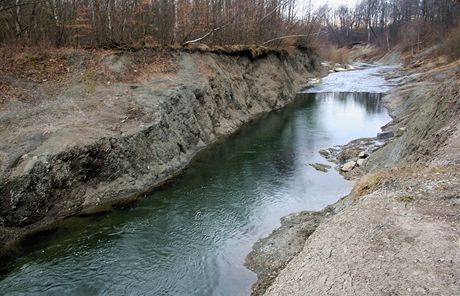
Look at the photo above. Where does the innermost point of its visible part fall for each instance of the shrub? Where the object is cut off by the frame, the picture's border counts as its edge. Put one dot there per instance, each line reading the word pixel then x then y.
pixel 451 46
pixel 331 53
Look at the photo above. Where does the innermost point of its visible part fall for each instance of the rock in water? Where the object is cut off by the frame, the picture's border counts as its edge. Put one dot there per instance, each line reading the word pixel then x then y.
pixel 320 167
pixel 325 153
pixel 348 166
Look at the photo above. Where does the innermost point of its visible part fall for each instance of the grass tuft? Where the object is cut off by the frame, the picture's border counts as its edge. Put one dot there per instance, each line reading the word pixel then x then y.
pixel 372 182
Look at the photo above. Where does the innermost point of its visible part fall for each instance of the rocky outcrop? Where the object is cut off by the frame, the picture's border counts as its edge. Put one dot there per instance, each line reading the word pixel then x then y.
pixel 271 254
pixel 85 148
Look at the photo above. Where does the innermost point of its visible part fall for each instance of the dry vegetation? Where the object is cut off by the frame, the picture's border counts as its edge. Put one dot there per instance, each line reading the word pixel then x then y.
pixel 8 91
pixel 330 52
pixel 383 178
pixel 451 46
pixel 236 27
pixel 21 71
pixel 35 64
pixel 116 24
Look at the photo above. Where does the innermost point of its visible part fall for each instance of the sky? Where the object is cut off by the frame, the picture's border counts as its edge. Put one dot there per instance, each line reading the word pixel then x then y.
pixel 317 3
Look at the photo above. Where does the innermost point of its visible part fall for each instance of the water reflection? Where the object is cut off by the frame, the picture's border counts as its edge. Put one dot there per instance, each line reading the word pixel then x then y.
pixel 370 101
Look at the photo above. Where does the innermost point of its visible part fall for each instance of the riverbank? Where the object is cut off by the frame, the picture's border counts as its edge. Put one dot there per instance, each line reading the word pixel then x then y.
pixel 82 131
pixel 398 230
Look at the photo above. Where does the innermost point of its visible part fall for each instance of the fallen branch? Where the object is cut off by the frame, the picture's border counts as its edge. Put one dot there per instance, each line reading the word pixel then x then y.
pixel 206 35
pixel 284 37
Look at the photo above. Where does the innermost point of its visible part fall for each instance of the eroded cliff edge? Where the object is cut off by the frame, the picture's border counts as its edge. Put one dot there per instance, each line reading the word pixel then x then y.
pixel 398 231
pixel 84 131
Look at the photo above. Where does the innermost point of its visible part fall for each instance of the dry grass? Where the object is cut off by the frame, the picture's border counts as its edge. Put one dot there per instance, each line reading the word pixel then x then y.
pixel 8 91
pixel 331 53
pixel 385 178
pixel 147 64
pixel 35 64
pixel 372 182
pixel 340 56
pixel 108 66
pixel 53 66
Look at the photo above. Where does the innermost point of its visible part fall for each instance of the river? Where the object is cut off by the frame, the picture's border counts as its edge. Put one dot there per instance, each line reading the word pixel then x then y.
pixel 191 236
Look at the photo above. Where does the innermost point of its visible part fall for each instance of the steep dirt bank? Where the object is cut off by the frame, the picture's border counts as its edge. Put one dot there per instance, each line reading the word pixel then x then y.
pixel 399 233
pixel 83 131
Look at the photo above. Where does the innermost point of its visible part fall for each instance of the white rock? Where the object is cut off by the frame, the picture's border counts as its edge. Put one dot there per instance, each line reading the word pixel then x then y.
pixel 360 162
pixel 350 67
pixel 348 166
pixel 363 154
pixel 400 131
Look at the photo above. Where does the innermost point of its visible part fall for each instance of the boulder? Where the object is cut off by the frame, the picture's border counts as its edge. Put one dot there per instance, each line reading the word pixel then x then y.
pixel 325 153
pixel 360 162
pixel 348 166
pixel 349 153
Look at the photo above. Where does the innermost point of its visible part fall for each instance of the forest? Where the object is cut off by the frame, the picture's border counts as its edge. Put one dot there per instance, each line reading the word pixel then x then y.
pixel 118 23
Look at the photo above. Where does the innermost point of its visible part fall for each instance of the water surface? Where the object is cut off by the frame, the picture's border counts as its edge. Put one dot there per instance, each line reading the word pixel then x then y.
pixel 191 237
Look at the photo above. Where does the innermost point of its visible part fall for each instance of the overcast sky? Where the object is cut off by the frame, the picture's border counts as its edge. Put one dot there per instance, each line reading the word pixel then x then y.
pixel 303 4
pixel 317 3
